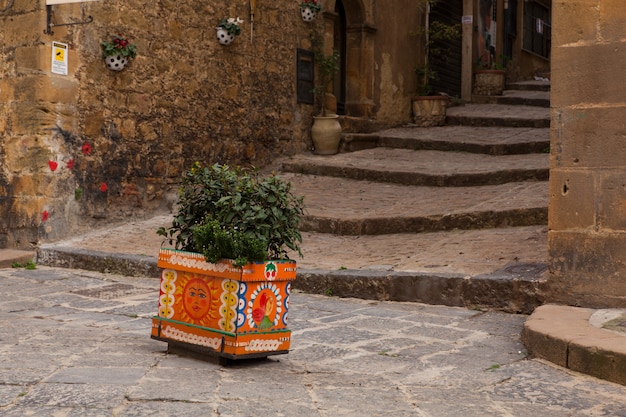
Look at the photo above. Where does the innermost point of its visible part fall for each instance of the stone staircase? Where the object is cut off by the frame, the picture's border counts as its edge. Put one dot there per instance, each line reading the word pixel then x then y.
pixel 482 178
pixel 454 215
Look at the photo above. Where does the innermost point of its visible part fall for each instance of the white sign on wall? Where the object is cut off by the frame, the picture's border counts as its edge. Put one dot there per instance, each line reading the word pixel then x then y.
pixel 48 2
pixel 59 58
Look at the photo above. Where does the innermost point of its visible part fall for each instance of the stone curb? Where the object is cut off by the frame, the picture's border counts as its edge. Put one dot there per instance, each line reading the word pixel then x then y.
pixel 502 291
pixel 114 263
pixel 564 336
pixel 507 293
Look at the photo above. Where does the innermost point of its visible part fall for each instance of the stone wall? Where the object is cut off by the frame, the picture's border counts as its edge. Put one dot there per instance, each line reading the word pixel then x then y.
pixel 99 146
pixel 587 220
pixel 96 146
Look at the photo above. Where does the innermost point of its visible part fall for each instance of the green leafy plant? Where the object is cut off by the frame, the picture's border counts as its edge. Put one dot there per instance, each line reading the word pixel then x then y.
pixel 236 214
pixel 327 67
pixel 119 45
pixel 231 25
pixel 435 36
pixel 28 265
pixel 311 4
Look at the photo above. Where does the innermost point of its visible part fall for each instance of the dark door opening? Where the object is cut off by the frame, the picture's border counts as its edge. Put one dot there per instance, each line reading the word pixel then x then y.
pixel 448 69
pixel 339 83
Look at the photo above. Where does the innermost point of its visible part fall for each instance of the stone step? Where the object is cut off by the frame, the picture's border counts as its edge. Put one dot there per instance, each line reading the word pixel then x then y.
pixel 498 115
pixel 530 85
pixel 474 139
pixel 424 168
pixel 517 98
pixel 13 257
pixel 356 207
pixel 500 268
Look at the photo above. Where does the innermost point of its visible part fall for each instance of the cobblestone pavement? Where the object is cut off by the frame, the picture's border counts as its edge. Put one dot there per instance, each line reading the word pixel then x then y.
pixel 76 343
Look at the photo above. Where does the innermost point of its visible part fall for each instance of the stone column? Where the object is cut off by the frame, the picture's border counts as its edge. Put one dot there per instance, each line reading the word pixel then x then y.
pixel 587 218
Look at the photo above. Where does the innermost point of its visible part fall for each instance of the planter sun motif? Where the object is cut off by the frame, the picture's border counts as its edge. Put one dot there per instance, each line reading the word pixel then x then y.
pixel 115 62
pixel 221 309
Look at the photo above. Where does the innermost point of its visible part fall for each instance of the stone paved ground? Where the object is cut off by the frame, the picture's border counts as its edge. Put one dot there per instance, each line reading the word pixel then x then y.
pixel 76 343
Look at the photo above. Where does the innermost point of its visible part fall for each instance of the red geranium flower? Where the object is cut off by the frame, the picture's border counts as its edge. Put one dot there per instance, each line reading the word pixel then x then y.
pixel 44 215
pixel 86 148
pixel 53 165
pixel 70 164
pixel 104 187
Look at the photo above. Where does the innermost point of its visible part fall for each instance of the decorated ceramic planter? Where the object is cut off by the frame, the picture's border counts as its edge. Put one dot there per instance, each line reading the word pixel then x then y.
pixel 224 37
pixel 220 309
pixel 308 14
pixel 115 62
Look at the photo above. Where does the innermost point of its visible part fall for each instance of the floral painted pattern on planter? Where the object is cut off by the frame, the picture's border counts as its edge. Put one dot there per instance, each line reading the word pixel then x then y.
pixel 235 312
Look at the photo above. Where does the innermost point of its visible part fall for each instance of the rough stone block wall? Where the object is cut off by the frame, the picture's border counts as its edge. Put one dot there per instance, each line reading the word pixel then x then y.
pixel 99 146
pixel 587 219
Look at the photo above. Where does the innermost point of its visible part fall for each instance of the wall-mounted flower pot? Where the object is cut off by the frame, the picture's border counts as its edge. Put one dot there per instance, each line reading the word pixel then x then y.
pixel 489 82
pixel 115 62
pixel 224 37
pixel 308 14
pixel 429 111
pixel 222 310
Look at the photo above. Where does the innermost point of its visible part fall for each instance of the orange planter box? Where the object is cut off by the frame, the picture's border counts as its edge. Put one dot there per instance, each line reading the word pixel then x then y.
pixel 217 308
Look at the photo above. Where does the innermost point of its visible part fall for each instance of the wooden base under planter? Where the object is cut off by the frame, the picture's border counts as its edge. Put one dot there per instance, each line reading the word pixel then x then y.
pixel 235 313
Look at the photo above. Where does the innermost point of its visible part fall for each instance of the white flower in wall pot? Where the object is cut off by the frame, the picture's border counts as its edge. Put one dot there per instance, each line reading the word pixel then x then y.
pixel 228 29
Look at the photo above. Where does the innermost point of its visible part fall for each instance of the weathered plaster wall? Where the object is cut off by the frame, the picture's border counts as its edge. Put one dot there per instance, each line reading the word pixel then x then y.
pixel 397 56
pixel 587 220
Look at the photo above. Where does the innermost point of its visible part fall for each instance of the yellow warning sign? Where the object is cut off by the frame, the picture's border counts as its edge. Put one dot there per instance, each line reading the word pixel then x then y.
pixel 59 53
pixel 59 58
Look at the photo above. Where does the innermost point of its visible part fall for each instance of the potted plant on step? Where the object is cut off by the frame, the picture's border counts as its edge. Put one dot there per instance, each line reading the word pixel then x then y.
pixel 326 130
pixel 429 107
pixel 226 282
pixel 490 77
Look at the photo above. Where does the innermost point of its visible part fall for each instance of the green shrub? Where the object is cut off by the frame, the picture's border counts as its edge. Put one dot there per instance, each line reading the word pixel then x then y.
pixel 231 213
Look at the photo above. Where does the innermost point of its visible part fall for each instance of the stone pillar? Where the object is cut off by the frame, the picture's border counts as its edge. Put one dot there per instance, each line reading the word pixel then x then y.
pixel 33 101
pixel 587 219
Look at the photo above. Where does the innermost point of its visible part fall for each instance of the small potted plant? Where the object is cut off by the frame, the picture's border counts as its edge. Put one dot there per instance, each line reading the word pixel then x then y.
pixel 309 9
pixel 225 284
pixel 228 29
pixel 117 52
pixel 326 129
pixel 490 76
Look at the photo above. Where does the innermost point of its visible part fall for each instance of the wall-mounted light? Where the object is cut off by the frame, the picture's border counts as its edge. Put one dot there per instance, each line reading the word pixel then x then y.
pixel 50 25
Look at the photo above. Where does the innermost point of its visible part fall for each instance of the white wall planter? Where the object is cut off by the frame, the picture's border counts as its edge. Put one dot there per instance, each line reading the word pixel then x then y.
pixel 115 62
pixel 308 14
pixel 224 37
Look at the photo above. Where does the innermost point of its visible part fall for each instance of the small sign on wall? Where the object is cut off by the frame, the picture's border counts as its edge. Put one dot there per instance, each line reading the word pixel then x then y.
pixel 49 2
pixel 59 58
